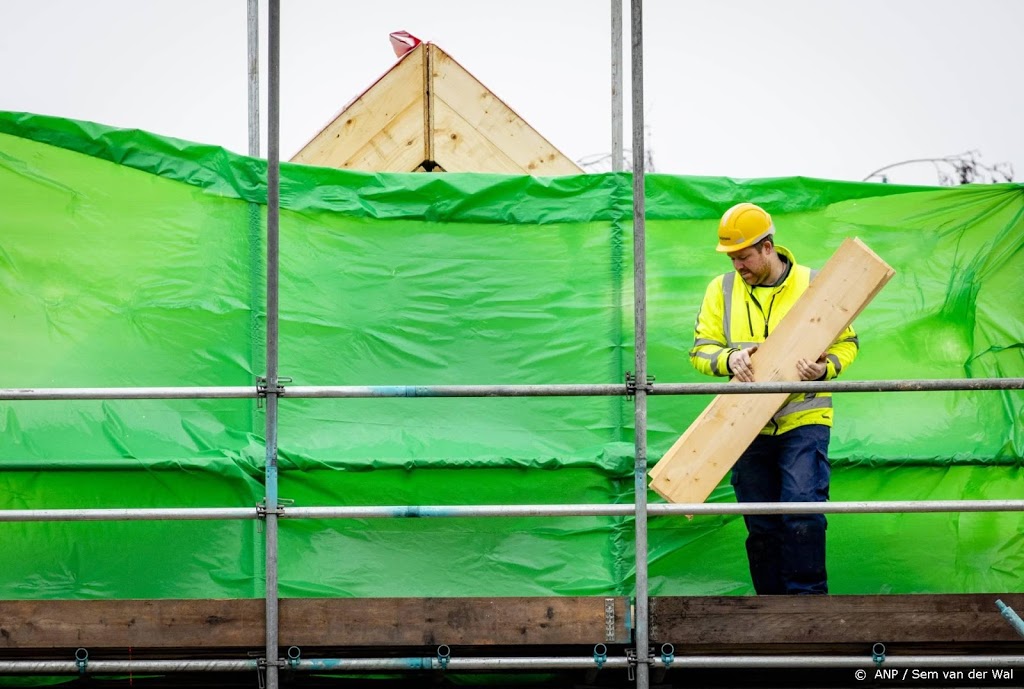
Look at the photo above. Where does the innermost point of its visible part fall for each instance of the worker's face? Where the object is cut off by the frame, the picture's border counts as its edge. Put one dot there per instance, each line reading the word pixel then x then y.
pixel 752 263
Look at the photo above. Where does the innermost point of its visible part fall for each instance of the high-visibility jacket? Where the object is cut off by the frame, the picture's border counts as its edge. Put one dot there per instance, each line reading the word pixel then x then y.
pixel 735 316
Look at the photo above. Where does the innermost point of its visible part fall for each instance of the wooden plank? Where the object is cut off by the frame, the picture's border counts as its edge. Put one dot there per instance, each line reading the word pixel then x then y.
pixel 493 121
pixel 938 623
pixel 124 623
pixel 758 621
pixel 452 621
pixel 696 463
pixel 344 142
pixel 310 622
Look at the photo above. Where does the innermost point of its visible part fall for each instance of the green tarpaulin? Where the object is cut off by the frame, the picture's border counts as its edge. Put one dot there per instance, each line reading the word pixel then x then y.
pixel 128 259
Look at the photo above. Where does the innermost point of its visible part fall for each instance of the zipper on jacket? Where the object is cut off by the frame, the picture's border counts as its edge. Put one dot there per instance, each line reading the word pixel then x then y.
pixel 765 316
pixel 769 315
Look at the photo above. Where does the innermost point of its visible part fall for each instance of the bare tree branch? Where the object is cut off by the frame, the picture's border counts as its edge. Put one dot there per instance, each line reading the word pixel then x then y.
pixel 602 162
pixel 962 168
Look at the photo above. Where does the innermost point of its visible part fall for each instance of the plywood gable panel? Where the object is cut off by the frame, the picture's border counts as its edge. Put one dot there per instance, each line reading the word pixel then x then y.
pixel 492 120
pixel 429 113
pixel 397 147
pixel 461 147
pixel 374 131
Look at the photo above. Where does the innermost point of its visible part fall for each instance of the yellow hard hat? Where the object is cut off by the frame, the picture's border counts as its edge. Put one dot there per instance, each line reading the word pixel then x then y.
pixel 743 225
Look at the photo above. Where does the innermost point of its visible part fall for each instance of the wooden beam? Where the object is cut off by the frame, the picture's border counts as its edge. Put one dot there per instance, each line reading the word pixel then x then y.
pixel 428 103
pixel 696 463
pixel 945 621
pixel 312 622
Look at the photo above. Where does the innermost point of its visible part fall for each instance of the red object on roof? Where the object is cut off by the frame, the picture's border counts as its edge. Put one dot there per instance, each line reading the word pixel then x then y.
pixel 403 42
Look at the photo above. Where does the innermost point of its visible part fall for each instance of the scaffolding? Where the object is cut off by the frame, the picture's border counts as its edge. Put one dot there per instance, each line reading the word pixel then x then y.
pixel 272 389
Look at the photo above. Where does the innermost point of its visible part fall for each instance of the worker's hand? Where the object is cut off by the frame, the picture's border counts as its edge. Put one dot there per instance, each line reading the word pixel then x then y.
pixel 812 370
pixel 739 364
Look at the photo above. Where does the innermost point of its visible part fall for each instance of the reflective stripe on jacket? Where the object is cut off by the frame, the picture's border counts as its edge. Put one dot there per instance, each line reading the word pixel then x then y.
pixel 732 318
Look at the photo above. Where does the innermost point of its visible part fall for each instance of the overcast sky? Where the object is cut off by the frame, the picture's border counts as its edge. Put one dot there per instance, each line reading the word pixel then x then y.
pixel 741 89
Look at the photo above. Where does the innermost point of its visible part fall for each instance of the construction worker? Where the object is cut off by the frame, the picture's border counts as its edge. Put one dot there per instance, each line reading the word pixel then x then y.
pixel 788 461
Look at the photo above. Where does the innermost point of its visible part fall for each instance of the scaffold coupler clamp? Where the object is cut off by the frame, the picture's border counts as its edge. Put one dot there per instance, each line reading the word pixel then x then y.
pixel 262 663
pixel 878 654
pixel 631 385
pixel 600 655
pixel 262 510
pixel 634 660
pixel 263 388
pixel 444 654
pixel 82 660
pixel 293 653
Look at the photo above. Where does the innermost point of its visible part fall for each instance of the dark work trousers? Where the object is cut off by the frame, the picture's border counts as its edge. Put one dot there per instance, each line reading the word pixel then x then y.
pixel 786 551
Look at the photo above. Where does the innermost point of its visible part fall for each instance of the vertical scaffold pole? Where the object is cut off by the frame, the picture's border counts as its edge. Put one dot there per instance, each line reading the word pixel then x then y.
pixel 273 251
pixel 616 85
pixel 640 321
pixel 254 77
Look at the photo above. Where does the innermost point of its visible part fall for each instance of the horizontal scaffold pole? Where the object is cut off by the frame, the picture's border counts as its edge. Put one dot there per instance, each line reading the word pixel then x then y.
pixel 139 393
pixel 455 511
pixel 914 662
pixel 656 509
pixel 65 667
pixel 566 390
pixel 131 514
